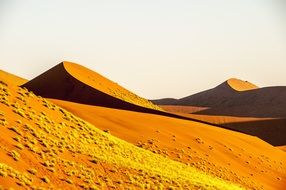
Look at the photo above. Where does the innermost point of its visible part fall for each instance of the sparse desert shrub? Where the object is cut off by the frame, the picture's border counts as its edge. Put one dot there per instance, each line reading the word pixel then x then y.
pixel 69 181
pixel 16 130
pixel 199 140
pixel 3 174
pixel 3 122
pixel 14 154
pixel 19 121
pixel 94 161
pixel 52 170
pixel 19 146
pixel 93 187
pixel 106 131
pixel 32 171
pixel 45 179
pixel 3 83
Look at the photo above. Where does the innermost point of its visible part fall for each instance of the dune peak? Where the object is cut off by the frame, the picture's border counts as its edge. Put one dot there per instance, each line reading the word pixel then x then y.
pixel 240 85
pixel 74 82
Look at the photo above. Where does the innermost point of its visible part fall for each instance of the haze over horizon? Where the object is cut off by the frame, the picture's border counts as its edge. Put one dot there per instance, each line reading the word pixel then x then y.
pixel 156 49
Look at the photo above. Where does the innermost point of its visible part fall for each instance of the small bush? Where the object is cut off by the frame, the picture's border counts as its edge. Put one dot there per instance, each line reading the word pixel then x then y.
pixel 3 174
pixel 32 171
pixel 19 146
pixel 45 179
pixel 15 155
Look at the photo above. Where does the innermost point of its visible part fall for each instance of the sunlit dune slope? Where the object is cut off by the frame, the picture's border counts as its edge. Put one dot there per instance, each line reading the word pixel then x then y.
pixel 233 156
pixel 5 76
pixel 42 146
pixel 240 85
pixel 73 82
pixel 282 148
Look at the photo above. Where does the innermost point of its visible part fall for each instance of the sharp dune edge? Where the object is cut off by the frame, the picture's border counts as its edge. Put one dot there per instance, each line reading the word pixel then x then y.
pixel 75 83
pixel 237 105
pixel 70 81
pixel 232 94
pixel 46 146
pixel 240 85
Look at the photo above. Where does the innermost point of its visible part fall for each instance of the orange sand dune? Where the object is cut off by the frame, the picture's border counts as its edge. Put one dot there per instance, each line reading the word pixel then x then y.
pixel 75 83
pixel 240 106
pixel 271 130
pixel 70 81
pixel 240 85
pixel 42 146
pixel 282 148
pixel 237 98
pixel 231 155
pixel 5 76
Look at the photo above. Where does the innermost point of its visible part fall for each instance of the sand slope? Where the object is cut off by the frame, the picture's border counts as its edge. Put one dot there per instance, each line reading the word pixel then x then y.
pixel 70 81
pixel 43 146
pixel 5 76
pixel 271 130
pixel 240 85
pixel 240 106
pixel 233 156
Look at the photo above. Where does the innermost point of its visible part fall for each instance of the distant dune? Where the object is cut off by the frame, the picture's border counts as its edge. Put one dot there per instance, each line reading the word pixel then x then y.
pixel 72 82
pixel 215 96
pixel 238 100
pixel 249 101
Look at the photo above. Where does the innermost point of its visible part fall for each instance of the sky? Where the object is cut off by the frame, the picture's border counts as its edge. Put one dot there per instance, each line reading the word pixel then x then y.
pixel 155 48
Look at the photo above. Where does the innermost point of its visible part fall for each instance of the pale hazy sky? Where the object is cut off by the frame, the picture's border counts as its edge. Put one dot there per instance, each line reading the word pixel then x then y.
pixel 154 48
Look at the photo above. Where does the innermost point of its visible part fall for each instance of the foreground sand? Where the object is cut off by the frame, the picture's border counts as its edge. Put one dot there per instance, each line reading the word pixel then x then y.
pixel 42 146
pixel 233 156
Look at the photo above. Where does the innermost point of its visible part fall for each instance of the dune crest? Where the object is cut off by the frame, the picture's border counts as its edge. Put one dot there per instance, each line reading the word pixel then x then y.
pixel 240 85
pixel 73 82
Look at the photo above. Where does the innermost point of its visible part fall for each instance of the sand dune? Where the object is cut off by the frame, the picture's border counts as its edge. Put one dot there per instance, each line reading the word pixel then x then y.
pixel 271 130
pixel 282 148
pixel 5 76
pixel 70 81
pixel 234 157
pixel 208 148
pixel 213 97
pixel 240 106
pixel 43 146
pixel 225 100
pixel 240 85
